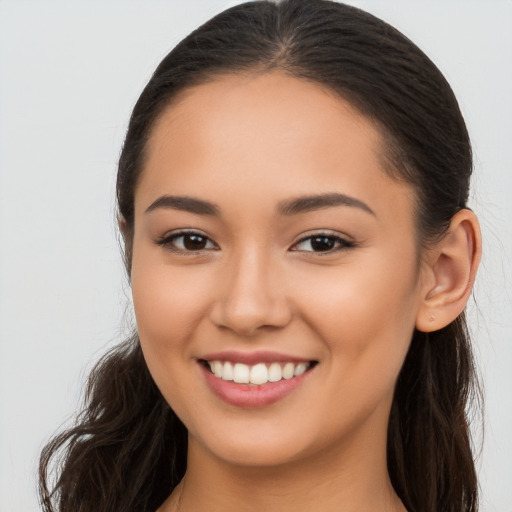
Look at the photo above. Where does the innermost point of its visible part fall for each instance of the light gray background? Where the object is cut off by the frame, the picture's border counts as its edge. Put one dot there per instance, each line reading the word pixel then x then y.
pixel 70 72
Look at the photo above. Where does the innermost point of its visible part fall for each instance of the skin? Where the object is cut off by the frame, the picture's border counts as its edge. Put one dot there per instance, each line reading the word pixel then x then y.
pixel 247 143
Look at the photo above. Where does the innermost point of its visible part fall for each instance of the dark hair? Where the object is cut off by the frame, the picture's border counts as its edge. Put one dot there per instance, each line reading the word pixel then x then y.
pixel 119 454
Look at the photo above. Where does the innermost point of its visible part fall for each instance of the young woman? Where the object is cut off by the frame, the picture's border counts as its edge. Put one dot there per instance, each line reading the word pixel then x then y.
pixel 292 194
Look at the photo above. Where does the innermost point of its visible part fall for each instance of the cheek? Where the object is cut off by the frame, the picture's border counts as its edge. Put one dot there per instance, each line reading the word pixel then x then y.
pixel 364 311
pixel 365 319
pixel 169 304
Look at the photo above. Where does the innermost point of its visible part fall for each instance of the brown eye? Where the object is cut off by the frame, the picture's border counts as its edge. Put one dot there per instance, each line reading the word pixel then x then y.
pixel 187 242
pixel 194 242
pixel 322 243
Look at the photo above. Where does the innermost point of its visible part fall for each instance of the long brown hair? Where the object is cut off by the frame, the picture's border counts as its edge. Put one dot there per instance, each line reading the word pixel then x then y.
pixel 127 450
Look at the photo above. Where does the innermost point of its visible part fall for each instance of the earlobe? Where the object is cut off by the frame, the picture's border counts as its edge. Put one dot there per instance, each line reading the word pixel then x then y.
pixel 452 269
pixel 121 222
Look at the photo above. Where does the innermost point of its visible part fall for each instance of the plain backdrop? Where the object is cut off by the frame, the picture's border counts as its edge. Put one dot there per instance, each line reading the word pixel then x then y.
pixel 70 72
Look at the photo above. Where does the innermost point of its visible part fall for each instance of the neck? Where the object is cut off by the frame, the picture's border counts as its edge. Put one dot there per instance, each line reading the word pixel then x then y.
pixel 351 479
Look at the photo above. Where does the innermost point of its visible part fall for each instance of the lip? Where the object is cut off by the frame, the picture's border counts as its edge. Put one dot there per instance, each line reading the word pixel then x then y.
pixel 250 395
pixel 252 358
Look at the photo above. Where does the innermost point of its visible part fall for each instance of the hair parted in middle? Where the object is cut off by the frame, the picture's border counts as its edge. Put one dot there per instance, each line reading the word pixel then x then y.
pixel 128 449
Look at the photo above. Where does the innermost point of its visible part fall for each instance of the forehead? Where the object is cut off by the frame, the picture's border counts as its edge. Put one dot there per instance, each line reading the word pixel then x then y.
pixel 264 136
pixel 272 110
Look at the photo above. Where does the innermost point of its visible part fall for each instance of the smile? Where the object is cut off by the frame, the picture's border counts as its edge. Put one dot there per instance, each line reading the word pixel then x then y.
pixel 257 374
pixel 254 380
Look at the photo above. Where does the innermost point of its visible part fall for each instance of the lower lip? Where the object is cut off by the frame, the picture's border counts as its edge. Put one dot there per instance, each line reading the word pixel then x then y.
pixel 246 395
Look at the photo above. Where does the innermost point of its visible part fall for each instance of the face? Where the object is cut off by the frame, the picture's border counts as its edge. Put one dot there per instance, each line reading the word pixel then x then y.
pixel 270 246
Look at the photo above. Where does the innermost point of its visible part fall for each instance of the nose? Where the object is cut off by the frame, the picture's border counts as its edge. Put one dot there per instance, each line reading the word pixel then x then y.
pixel 252 296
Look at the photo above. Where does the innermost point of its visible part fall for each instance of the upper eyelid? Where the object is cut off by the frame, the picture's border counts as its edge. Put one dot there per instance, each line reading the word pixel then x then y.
pixel 344 242
pixel 165 239
pixel 323 232
pixel 182 232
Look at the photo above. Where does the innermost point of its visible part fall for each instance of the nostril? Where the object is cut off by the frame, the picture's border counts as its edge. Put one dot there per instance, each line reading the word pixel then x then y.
pixel 248 318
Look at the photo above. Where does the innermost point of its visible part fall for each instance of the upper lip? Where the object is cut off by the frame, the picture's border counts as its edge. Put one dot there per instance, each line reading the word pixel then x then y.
pixel 251 358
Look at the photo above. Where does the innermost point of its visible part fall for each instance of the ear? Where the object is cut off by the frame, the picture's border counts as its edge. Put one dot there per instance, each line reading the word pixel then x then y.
pixel 121 222
pixel 449 273
pixel 126 243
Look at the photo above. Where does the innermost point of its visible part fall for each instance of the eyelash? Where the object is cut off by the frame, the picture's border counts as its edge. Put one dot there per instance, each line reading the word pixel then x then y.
pixel 167 242
pixel 343 243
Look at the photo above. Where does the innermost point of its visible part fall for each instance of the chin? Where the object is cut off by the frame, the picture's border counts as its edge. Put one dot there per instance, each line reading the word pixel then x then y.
pixel 257 454
pixel 253 446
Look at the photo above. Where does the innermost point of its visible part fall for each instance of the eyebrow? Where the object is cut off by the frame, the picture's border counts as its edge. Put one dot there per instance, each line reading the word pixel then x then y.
pixel 288 207
pixel 185 203
pixel 319 202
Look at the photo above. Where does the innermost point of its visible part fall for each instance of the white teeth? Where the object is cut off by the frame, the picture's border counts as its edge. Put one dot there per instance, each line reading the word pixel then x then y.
pixel 227 371
pixel 258 374
pixel 241 373
pixel 274 372
pixel 288 371
pixel 300 369
pixel 217 369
